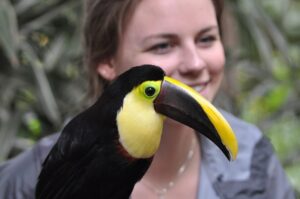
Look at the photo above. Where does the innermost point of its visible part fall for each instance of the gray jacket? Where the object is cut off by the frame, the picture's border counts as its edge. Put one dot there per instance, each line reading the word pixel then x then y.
pixel 256 174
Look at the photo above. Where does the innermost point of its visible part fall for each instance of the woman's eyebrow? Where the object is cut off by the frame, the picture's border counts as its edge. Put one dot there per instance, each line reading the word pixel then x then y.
pixel 158 36
pixel 208 29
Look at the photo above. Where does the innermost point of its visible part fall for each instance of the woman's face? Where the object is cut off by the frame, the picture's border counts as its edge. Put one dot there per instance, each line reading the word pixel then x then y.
pixel 181 36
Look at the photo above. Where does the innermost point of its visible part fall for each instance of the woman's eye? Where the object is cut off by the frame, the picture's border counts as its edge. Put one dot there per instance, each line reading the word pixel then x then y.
pixel 207 40
pixel 161 48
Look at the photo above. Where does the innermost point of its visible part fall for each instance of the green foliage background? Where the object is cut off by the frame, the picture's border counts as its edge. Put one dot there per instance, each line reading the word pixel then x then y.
pixel 42 80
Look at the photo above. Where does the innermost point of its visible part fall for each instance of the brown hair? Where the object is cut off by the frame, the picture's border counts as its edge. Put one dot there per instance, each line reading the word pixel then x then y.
pixel 104 21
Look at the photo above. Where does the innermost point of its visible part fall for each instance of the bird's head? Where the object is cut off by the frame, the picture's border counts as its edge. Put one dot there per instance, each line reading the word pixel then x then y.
pixel 149 97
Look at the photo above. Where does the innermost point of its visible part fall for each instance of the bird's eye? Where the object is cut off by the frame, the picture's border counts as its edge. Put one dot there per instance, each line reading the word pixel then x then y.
pixel 150 91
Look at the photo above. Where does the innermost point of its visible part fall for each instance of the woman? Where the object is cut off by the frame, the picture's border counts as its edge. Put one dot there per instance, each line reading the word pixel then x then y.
pixel 183 37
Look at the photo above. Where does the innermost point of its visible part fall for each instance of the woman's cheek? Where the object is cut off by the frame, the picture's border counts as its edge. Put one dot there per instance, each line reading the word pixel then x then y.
pixel 216 60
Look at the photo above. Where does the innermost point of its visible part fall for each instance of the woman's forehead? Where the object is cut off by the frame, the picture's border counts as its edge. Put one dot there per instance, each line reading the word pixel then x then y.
pixel 157 17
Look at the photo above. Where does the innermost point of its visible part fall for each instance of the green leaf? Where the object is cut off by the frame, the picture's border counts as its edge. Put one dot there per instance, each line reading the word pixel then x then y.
pixel 9 31
pixel 281 71
pixel 47 17
pixel 275 98
pixel 293 173
pixel 33 123
pixel 8 131
pixel 291 21
pixel 284 135
pixel 47 97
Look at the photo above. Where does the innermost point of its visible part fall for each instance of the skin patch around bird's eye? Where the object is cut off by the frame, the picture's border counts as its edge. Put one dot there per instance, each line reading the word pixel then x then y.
pixel 150 89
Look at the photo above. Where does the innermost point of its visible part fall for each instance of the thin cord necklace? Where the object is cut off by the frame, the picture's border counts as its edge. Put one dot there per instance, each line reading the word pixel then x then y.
pixel 161 192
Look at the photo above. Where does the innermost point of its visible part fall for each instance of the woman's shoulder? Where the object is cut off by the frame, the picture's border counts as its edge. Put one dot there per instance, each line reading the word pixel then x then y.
pixel 248 135
pixel 34 155
pixel 249 173
pixel 242 128
pixel 18 175
pixel 44 146
pixel 255 150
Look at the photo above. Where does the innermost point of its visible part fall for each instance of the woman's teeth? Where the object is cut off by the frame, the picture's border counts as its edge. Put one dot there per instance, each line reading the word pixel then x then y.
pixel 199 88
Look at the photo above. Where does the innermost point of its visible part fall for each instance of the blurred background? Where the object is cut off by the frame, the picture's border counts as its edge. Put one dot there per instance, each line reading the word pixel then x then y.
pixel 43 82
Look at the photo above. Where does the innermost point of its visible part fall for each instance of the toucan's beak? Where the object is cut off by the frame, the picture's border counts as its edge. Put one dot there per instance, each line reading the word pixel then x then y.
pixel 183 104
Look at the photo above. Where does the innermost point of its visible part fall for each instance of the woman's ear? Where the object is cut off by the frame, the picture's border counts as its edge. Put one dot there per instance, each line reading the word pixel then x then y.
pixel 106 70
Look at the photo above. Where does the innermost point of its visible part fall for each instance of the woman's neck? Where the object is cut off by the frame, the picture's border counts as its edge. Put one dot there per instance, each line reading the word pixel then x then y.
pixel 176 144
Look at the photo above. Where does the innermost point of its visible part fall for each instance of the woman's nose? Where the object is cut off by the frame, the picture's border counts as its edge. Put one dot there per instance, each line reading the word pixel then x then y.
pixel 192 62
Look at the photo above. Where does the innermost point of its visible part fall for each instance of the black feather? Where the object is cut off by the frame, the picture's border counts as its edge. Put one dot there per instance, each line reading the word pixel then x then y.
pixel 86 161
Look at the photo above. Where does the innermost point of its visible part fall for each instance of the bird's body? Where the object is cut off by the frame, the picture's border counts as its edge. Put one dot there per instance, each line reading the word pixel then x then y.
pixel 90 164
pixel 89 154
pixel 100 154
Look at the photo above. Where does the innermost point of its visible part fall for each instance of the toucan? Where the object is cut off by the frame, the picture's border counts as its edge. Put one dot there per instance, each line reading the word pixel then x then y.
pixel 103 151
